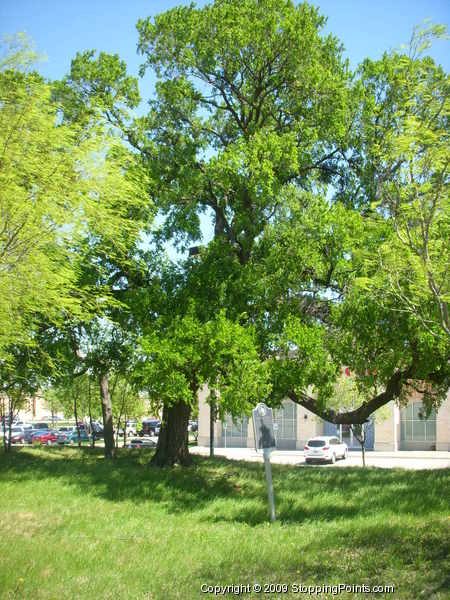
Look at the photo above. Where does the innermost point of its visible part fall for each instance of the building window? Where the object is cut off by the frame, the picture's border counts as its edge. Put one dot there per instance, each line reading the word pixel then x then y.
pixel 286 419
pixel 236 428
pixel 415 428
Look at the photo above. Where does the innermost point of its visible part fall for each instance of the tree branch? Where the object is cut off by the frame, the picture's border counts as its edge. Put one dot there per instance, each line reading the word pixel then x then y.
pixel 362 413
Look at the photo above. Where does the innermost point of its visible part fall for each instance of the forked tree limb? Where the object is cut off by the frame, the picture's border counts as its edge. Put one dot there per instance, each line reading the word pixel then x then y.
pixel 361 414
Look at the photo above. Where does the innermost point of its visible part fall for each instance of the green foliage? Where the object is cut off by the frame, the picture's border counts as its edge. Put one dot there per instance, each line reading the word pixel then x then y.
pixel 183 355
pixel 302 361
pixel 126 399
pixel 20 378
pixel 405 135
pixel 250 97
pixel 328 193
pixel 81 390
pixel 112 95
pixel 62 189
pixel 18 53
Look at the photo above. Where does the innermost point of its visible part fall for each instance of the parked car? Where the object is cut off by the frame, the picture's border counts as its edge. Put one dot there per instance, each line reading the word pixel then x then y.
pixel 29 433
pixel 41 426
pixel 17 435
pixel 97 430
pixel 71 437
pixel 63 434
pixel 15 429
pixel 131 428
pixel 325 449
pixel 49 437
pixel 23 424
pixel 150 427
pixel 140 443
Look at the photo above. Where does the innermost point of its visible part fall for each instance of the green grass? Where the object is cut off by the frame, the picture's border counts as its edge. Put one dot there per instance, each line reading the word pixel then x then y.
pixel 73 525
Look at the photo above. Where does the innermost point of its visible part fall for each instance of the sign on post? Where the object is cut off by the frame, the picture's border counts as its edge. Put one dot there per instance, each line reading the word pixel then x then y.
pixel 263 427
pixel 265 441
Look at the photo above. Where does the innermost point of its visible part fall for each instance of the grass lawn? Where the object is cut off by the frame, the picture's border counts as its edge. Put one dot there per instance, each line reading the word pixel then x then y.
pixel 76 526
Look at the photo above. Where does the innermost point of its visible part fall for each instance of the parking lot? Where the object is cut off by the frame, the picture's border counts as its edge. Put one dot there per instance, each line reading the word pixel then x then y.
pixel 386 460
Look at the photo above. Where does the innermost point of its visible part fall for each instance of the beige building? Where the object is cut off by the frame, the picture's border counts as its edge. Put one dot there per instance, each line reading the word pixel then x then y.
pixel 391 429
pixel 33 409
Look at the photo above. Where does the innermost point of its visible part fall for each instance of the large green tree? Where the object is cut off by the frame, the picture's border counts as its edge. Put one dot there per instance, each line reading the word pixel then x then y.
pixel 261 124
pixel 258 123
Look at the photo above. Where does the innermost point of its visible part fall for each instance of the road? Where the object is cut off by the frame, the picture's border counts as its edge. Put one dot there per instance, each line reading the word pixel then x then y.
pixel 386 460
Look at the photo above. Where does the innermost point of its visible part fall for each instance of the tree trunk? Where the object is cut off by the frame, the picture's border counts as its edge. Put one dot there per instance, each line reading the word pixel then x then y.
pixel 91 428
pixel 5 445
pixel 212 420
pixel 363 443
pixel 108 430
pixel 75 414
pixel 173 438
pixel 10 416
pixel 122 404
pixel 360 435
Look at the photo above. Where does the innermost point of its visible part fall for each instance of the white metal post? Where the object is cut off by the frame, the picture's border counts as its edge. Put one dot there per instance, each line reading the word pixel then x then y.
pixel 268 468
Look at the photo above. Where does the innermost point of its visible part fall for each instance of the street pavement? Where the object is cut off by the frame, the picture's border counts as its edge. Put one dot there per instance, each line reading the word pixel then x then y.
pixel 386 460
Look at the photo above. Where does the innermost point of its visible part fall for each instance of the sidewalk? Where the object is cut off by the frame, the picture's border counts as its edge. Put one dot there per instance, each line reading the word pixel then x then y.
pixel 402 459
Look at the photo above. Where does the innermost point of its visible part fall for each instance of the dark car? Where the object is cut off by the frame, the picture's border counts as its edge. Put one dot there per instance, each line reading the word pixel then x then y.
pixel 150 427
pixel 97 430
pixel 72 437
pixel 64 433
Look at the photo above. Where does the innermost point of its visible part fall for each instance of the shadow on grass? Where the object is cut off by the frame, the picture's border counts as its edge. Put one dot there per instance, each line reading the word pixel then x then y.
pixel 411 557
pixel 231 491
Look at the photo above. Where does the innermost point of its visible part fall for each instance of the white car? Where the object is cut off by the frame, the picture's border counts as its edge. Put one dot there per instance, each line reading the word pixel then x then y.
pixel 325 449
pixel 131 428
pixel 140 443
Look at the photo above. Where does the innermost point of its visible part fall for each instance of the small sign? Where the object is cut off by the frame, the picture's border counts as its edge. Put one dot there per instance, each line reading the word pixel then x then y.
pixel 275 426
pixel 263 427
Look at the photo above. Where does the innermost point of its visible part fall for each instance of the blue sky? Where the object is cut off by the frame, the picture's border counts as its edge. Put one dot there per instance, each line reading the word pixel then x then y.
pixel 60 28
